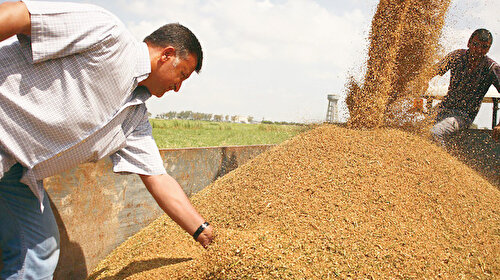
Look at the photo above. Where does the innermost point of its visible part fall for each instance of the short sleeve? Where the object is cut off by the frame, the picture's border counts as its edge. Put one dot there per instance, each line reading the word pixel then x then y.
pixel 141 155
pixel 495 71
pixel 62 29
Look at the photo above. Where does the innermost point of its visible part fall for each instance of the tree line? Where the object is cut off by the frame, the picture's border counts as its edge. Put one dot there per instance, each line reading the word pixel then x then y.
pixel 190 115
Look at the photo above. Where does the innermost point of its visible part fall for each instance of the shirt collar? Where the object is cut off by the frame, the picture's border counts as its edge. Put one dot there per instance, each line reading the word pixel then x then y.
pixel 482 60
pixel 143 67
pixel 140 95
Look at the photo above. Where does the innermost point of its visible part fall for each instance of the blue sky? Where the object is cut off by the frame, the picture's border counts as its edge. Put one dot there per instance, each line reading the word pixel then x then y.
pixel 277 60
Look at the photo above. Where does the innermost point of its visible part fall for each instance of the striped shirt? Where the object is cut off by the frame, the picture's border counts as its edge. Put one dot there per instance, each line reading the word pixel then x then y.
pixel 68 95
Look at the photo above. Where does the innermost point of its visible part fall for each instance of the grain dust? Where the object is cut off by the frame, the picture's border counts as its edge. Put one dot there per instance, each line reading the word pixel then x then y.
pixel 403 46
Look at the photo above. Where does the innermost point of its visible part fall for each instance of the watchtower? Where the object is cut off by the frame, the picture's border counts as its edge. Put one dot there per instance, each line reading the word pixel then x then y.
pixel 332 112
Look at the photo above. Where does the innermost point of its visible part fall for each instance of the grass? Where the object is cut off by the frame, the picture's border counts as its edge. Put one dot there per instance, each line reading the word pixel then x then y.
pixel 190 133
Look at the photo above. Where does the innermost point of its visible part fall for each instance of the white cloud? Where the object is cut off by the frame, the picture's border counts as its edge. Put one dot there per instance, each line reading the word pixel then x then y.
pixel 279 59
pixel 248 30
pixel 266 59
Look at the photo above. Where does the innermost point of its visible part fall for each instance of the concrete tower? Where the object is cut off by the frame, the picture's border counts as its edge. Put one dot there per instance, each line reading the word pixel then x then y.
pixel 332 112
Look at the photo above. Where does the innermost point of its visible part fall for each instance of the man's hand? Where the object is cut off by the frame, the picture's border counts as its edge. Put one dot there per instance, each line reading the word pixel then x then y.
pixel 496 133
pixel 14 19
pixel 172 199
pixel 206 237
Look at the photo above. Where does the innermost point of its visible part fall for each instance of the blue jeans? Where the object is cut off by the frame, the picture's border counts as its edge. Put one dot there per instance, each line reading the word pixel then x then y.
pixel 447 123
pixel 29 239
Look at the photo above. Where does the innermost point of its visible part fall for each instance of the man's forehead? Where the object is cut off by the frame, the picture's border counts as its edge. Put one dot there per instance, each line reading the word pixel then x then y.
pixel 485 43
pixel 483 39
pixel 191 61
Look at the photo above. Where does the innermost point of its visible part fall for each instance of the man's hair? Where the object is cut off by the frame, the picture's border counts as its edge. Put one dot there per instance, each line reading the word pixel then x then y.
pixel 483 35
pixel 179 37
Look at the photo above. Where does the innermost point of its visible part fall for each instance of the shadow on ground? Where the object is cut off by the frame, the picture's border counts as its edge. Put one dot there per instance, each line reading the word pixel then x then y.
pixel 137 267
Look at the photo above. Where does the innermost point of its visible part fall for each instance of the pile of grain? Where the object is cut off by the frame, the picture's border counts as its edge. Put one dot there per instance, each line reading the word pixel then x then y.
pixel 403 46
pixel 341 203
pixel 331 202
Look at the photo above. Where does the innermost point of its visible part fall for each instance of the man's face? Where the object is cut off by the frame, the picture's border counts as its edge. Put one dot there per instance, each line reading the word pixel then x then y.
pixel 171 70
pixel 478 48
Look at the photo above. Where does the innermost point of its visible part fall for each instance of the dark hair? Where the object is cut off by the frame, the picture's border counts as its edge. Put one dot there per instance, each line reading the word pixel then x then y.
pixel 179 37
pixel 483 35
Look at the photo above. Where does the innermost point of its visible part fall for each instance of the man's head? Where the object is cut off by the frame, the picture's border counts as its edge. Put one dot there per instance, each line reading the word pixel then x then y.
pixel 480 42
pixel 175 53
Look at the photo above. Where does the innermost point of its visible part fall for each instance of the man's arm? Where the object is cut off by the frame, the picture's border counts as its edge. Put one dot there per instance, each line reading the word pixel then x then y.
pixel 172 199
pixel 438 68
pixel 14 19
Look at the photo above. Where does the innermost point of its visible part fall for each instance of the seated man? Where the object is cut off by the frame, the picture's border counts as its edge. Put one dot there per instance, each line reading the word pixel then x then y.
pixel 472 73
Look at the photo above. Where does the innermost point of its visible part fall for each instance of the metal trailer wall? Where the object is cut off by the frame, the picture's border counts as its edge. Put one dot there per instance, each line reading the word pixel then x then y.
pixel 97 210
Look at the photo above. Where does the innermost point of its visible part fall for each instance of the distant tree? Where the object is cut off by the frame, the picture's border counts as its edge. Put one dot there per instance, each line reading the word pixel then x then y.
pixel 197 116
pixel 250 119
pixel 171 115
pixel 185 115
pixel 218 118
pixel 227 118
pixel 233 118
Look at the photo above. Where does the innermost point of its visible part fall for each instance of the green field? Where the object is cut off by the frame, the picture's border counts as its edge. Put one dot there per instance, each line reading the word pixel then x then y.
pixel 190 133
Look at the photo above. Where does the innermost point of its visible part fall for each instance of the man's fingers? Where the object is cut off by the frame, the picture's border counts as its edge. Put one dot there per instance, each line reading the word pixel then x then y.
pixel 206 237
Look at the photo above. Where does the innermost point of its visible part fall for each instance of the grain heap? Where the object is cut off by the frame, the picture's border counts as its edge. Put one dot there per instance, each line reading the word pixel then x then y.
pixel 332 202
pixel 403 46
pixel 338 203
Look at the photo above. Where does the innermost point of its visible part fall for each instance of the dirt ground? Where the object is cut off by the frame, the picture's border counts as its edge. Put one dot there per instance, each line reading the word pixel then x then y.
pixel 331 203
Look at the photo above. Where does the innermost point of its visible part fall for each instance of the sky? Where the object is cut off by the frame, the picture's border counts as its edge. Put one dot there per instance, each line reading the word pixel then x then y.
pixel 279 59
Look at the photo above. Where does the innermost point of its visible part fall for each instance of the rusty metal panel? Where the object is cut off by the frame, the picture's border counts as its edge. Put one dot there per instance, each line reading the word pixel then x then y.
pixel 201 166
pixel 97 210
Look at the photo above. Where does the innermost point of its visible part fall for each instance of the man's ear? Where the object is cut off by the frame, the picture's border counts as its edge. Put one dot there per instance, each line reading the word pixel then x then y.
pixel 167 52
